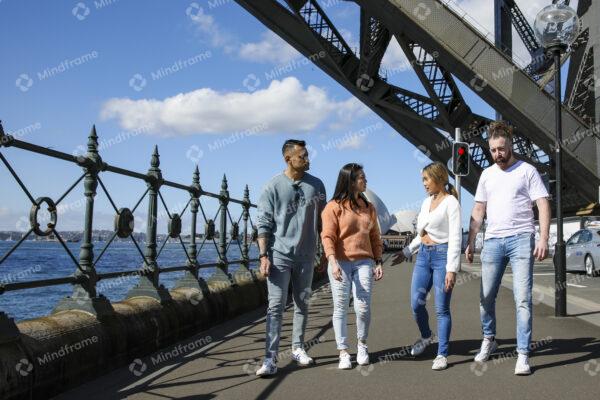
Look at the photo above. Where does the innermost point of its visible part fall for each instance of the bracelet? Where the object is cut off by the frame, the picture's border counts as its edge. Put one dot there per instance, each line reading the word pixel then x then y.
pixel 378 261
pixel 263 255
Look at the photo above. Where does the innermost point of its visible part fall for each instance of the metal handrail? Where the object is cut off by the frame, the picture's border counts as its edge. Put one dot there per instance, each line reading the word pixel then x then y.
pixel 85 278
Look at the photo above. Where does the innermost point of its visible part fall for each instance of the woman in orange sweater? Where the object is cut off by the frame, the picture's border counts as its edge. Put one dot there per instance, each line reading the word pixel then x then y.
pixel 353 246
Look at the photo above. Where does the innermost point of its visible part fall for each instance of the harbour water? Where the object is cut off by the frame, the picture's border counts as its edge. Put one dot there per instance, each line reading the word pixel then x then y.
pixel 35 260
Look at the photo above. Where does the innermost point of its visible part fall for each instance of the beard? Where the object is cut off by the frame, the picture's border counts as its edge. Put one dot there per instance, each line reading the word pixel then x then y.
pixel 502 161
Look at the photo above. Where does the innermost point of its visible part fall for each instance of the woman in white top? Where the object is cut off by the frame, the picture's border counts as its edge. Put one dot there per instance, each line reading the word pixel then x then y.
pixel 438 243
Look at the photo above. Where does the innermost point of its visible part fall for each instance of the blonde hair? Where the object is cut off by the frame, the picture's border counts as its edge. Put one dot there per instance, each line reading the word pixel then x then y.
pixel 437 172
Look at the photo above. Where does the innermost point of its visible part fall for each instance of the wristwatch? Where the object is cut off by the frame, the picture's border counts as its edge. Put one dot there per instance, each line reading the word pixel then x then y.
pixel 378 261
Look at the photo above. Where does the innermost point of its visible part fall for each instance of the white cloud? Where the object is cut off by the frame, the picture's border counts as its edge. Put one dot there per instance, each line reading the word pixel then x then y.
pixel 284 106
pixel 353 142
pixel 209 28
pixel 271 49
pixel 347 111
pixel 394 58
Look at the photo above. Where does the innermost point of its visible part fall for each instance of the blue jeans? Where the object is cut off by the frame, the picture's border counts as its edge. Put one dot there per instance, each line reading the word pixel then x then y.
pixel 358 277
pixel 496 253
pixel 278 282
pixel 430 271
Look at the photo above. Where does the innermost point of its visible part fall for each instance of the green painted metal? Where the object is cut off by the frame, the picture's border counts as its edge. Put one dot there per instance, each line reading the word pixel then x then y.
pixel 85 278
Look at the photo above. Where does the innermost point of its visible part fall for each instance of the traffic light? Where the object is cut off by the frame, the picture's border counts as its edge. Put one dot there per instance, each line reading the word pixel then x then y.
pixel 460 158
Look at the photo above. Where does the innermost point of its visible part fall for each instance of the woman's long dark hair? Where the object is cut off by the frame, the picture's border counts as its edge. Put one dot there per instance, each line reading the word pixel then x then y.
pixel 344 188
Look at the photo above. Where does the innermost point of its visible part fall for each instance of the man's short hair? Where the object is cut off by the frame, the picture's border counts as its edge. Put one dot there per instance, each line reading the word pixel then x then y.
pixel 290 143
pixel 498 129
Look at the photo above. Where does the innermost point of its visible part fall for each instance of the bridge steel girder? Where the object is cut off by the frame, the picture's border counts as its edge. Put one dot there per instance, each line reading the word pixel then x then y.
pixel 379 98
pixel 582 94
pixel 307 28
pixel 465 52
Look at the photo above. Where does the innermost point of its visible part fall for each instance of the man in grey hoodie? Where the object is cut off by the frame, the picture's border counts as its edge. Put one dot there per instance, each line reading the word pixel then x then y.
pixel 289 222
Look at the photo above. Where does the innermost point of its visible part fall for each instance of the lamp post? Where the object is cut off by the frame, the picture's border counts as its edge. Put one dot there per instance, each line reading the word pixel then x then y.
pixel 556 27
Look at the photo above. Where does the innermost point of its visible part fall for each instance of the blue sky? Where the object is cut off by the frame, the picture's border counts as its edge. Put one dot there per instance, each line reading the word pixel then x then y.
pixel 199 80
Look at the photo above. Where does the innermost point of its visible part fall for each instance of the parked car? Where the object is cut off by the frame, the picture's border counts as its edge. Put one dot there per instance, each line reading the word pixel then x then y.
pixel 583 251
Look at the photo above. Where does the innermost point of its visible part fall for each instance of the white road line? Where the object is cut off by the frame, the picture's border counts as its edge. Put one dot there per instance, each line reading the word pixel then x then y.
pixel 574 285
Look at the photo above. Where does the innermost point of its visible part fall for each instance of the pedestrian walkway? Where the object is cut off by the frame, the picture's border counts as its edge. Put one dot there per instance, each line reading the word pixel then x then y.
pixel 565 362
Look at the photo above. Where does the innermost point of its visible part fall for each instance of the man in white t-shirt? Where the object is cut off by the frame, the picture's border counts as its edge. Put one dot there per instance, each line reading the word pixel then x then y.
pixel 506 193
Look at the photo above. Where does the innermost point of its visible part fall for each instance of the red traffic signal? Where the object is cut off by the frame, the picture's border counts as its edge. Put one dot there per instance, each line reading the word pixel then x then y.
pixel 460 158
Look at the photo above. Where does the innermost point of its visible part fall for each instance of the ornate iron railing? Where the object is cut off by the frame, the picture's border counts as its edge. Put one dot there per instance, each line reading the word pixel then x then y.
pixel 85 278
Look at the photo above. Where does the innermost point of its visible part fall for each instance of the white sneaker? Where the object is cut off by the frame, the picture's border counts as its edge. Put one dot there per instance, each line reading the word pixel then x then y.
pixel 299 355
pixel 522 367
pixel 362 354
pixel 487 348
pixel 421 344
pixel 439 363
pixel 268 368
pixel 345 361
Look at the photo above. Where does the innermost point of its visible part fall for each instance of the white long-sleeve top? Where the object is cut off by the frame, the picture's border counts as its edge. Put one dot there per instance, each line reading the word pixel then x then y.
pixel 443 225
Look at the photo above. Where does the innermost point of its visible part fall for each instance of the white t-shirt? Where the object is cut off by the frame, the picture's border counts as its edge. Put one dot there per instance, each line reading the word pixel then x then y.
pixel 509 196
pixel 443 225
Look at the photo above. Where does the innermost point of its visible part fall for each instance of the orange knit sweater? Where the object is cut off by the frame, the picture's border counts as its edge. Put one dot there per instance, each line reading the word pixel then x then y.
pixel 350 234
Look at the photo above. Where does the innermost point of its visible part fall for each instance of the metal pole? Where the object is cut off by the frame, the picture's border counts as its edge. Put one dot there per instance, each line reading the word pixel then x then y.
pixel 457 138
pixel 246 216
pixel 149 283
pixel 191 278
pixel 560 275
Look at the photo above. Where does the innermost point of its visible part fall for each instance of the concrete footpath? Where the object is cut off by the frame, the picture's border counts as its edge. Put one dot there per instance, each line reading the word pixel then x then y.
pixel 583 292
pixel 221 362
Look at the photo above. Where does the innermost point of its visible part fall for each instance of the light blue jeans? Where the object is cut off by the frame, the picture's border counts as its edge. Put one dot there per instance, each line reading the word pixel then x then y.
pixel 496 253
pixel 357 276
pixel 278 281
pixel 430 271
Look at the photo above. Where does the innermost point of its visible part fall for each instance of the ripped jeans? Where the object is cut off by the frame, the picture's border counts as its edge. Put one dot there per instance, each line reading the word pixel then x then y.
pixel 356 276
